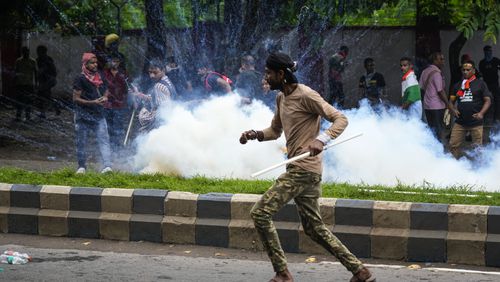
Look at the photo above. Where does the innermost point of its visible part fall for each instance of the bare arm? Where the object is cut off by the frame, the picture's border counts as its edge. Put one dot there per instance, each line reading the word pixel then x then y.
pixel 486 106
pixel 77 98
pixel 444 98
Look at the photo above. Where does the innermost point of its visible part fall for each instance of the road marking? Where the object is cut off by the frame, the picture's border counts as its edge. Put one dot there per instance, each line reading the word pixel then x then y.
pixel 427 268
pixel 463 270
pixel 423 193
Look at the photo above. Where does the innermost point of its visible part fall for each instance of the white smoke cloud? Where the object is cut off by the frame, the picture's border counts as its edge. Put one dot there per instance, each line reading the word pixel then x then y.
pixel 204 140
pixel 393 149
pixel 396 148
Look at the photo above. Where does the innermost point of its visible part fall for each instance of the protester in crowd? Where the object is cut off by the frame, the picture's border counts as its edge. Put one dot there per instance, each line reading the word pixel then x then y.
pixel 47 74
pixel 26 80
pixel 337 65
pixel 110 51
pixel 116 107
pixel 178 77
pixel 299 110
pixel 410 90
pixel 90 94
pixel 472 102
pixel 266 95
pixel 489 67
pixel 248 83
pixel 372 84
pixel 456 71
pixel 435 98
pixel 214 82
pixel 162 92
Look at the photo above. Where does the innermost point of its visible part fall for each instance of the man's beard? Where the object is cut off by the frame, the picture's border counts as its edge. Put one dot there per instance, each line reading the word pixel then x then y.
pixel 276 86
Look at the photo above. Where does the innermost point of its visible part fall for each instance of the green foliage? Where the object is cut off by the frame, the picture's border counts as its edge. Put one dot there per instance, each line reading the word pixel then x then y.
pixel 402 13
pixel 492 24
pixel 468 16
pixel 84 16
pixel 178 13
pixel 201 185
pixel 389 13
pixel 133 16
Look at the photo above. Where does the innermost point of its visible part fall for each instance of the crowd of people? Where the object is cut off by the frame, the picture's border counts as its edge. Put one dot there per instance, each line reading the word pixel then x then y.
pixel 105 100
pixel 472 100
pixel 34 80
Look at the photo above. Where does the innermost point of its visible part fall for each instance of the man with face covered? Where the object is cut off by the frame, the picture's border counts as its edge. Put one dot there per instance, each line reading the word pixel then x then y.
pixel 90 93
pixel 298 114
pixel 473 100
pixel 489 68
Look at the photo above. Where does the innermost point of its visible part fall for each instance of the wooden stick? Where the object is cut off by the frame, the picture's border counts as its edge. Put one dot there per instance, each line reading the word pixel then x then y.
pixel 129 127
pixel 301 156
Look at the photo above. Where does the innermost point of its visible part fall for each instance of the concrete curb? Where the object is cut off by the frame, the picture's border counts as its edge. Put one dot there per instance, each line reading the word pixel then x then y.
pixel 418 232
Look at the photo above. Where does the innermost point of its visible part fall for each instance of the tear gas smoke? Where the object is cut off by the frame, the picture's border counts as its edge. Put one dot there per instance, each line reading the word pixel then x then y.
pixel 394 148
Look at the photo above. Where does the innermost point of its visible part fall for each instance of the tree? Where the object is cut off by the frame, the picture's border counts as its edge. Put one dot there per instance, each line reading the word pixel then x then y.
pixel 467 16
pixel 156 31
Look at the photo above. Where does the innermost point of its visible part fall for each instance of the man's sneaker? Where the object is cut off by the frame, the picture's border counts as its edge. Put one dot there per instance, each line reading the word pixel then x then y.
pixel 80 170
pixel 106 169
pixel 363 275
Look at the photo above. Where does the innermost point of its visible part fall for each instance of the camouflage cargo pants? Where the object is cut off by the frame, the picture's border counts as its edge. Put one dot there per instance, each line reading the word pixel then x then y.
pixel 304 187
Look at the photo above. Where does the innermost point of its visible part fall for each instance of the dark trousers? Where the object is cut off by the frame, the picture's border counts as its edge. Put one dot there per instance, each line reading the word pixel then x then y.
pixel 493 112
pixel 45 100
pixel 336 93
pixel 24 100
pixel 117 122
pixel 435 122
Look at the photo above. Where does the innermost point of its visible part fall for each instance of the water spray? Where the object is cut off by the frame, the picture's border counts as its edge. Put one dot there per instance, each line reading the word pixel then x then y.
pixel 301 156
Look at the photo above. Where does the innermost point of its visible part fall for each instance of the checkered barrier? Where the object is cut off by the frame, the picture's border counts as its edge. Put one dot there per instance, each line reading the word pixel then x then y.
pixel 419 232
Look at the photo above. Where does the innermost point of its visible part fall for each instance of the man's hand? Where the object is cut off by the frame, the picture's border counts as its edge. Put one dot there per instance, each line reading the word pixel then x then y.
pixel 316 147
pixel 101 100
pixel 248 135
pixel 478 116
pixel 142 96
pixel 455 112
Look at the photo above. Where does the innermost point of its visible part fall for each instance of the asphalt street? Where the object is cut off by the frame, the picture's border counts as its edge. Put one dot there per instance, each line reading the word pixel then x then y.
pixel 77 259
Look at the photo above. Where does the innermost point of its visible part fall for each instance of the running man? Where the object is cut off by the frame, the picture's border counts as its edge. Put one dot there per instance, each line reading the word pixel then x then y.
pixel 299 110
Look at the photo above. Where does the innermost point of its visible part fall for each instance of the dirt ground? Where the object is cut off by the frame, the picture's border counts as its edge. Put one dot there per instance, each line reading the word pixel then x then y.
pixel 42 144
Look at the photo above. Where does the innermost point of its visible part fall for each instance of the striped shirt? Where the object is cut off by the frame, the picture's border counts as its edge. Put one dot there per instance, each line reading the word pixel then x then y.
pixel 160 94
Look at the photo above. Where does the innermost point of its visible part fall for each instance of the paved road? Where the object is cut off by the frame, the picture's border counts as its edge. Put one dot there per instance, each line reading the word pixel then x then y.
pixel 70 259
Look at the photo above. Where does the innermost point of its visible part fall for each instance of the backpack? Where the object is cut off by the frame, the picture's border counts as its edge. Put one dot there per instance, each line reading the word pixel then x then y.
pixel 208 87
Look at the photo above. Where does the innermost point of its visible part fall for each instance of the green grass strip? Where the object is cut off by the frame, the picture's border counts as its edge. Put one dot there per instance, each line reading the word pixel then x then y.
pixel 201 185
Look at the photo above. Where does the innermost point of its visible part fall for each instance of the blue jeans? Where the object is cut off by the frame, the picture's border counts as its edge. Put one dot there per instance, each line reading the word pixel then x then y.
pixel 117 122
pixel 82 128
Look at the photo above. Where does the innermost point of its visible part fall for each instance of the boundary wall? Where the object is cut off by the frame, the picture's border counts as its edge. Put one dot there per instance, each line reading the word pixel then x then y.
pixel 419 232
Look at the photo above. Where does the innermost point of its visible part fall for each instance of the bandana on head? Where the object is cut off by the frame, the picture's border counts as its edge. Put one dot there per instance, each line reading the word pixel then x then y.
pixel 281 61
pixel 93 77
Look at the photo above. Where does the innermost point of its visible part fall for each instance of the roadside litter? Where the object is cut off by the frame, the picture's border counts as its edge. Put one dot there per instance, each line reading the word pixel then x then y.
pixel 12 257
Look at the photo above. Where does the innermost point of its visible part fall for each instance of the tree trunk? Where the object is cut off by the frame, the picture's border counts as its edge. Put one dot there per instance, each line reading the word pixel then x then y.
pixel 249 25
pixel 196 29
pixel 156 30
pixel 156 37
pixel 233 21
pixel 454 58
pixel 310 31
